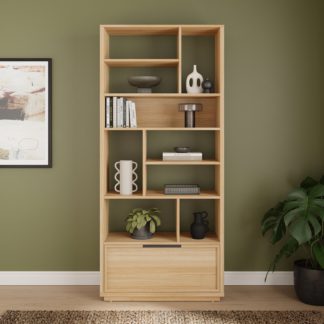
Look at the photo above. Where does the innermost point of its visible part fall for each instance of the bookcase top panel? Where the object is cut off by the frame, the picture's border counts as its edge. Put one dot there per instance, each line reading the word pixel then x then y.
pixel 147 30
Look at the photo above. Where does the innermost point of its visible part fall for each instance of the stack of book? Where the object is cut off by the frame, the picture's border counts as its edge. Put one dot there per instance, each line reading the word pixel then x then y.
pixel 120 112
pixel 174 156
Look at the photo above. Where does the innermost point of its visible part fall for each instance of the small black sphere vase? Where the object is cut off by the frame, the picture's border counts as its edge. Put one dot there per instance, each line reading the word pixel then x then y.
pixel 207 86
pixel 199 227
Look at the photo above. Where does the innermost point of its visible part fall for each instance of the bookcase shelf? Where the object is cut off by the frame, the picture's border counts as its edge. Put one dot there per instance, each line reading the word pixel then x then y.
pixel 167 129
pixel 140 30
pixel 158 238
pixel 203 195
pixel 210 238
pixel 161 162
pixel 164 95
pixel 142 62
pixel 115 195
pixel 191 268
pixel 158 194
pixel 116 238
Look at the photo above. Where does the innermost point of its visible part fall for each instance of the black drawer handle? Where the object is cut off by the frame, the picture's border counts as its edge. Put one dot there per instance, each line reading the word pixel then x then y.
pixel 158 246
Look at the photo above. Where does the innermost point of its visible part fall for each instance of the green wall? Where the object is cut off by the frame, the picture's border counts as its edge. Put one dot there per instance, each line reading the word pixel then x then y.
pixel 274 120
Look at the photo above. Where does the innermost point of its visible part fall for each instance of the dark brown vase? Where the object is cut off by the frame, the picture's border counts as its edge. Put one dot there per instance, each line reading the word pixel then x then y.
pixel 199 227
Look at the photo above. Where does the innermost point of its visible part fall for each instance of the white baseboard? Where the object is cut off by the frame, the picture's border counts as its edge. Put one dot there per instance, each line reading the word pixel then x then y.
pixel 92 278
pixel 251 278
pixel 49 278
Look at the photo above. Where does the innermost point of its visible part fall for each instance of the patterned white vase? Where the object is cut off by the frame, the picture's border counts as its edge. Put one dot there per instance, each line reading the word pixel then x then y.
pixel 126 172
pixel 194 81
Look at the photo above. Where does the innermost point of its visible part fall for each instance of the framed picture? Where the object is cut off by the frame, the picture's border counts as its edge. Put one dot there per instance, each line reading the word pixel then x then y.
pixel 25 112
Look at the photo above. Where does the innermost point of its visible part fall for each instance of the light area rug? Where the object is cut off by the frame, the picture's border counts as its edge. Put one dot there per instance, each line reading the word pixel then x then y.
pixel 162 317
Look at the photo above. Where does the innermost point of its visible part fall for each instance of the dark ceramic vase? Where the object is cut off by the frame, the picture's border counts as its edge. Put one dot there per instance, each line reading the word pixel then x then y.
pixel 309 284
pixel 199 227
pixel 142 234
pixel 207 86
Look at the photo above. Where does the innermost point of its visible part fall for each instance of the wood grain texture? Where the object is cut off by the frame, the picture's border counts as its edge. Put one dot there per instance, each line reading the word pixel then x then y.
pixel 86 298
pixel 164 95
pixel 166 129
pixel 179 53
pixel 181 162
pixel 117 238
pixel 219 50
pixel 151 270
pixel 164 112
pixel 141 62
pixel 140 30
pixel 144 157
pixel 193 271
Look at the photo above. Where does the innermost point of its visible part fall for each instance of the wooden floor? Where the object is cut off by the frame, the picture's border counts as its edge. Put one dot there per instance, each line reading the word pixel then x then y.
pixel 86 298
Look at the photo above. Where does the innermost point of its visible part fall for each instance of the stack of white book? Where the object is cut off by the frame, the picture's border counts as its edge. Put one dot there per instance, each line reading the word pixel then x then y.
pixel 174 156
pixel 120 112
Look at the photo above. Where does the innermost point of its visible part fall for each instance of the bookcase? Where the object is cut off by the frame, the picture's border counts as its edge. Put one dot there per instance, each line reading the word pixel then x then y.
pixel 171 266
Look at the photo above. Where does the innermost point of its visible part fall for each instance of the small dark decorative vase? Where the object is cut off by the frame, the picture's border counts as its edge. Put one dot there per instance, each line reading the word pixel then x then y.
pixel 207 86
pixel 199 227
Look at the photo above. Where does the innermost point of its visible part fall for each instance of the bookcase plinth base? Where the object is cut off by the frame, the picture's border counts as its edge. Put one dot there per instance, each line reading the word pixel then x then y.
pixel 180 297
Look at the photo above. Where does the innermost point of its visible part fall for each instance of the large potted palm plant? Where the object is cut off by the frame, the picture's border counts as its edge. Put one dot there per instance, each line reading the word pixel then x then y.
pixel 299 222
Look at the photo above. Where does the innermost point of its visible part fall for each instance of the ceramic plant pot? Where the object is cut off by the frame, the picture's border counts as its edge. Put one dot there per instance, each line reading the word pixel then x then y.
pixel 309 284
pixel 142 233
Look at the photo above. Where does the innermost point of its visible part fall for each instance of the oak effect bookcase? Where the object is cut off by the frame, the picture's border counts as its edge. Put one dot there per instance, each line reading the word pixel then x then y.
pixel 171 266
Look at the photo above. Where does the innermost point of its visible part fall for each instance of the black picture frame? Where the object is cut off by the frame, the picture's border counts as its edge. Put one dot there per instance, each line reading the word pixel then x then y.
pixel 25 112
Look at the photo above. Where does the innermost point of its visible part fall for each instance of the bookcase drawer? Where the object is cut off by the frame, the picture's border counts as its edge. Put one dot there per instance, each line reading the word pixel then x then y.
pixel 161 269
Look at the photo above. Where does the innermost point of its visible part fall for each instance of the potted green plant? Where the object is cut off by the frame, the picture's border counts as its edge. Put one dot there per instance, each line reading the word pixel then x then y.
pixel 142 223
pixel 299 222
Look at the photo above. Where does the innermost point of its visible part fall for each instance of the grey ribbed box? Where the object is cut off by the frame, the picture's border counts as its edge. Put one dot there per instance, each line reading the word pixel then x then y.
pixel 181 189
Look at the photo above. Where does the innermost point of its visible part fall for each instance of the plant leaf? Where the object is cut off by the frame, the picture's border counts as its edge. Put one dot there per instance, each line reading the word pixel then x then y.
pixel 293 213
pixel 128 226
pixel 298 194
pixel 318 211
pixel 286 251
pixel 308 182
pixel 317 191
pixel 318 251
pixel 319 202
pixel 273 219
pixel 300 230
pixel 156 219
pixel 289 205
pixel 322 179
pixel 152 227
pixel 315 224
